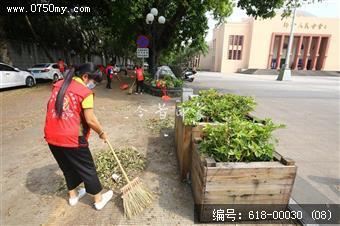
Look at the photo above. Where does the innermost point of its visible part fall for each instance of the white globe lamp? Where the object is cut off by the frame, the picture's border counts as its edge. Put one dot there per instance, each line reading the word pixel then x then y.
pixel 154 11
pixel 161 19
pixel 150 17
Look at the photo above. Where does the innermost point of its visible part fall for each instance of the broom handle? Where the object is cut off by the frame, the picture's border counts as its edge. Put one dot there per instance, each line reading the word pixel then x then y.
pixel 133 83
pixel 117 159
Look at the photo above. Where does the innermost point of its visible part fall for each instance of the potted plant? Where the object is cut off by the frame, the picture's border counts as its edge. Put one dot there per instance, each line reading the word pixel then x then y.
pixel 235 162
pixel 209 107
pixel 172 85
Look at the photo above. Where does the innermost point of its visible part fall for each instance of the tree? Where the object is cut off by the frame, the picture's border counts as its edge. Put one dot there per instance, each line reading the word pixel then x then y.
pixel 112 27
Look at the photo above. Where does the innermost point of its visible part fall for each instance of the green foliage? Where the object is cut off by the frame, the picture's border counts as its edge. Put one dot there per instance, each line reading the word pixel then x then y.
pixel 178 83
pixel 113 26
pixel 211 106
pixel 266 8
pixel 147 77
pixel 168 81
pixel 239 140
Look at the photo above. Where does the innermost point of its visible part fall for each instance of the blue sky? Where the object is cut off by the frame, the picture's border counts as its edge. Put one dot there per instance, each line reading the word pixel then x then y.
pixel 326 8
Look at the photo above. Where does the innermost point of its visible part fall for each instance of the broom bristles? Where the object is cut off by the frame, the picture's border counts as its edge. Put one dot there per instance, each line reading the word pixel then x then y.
pixel 136 197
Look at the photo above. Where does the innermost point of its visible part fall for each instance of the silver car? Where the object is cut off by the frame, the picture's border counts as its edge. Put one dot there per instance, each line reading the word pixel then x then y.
pixel 11 77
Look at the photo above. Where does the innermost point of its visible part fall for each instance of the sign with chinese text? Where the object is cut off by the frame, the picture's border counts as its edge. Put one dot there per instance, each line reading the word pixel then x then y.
pixel 142 52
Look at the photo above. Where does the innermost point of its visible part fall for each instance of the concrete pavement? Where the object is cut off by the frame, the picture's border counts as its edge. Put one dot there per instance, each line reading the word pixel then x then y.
pixel 310 109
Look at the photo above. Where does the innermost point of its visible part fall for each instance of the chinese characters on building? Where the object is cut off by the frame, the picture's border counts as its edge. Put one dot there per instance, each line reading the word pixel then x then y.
pixel 306 25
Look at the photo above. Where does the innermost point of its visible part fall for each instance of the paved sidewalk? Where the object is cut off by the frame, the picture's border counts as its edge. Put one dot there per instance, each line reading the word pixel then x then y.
pixel 309 107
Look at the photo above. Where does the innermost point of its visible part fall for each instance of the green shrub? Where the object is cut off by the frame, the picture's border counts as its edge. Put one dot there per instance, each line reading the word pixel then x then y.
pixel 211 106
pixel 147 77
pixel 239 140
pixel 178 83
pixel 169 81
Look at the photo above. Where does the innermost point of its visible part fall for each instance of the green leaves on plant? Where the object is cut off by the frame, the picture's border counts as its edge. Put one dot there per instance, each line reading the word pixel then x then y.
pixel 233 137
pixel 239 140
pixel 211 106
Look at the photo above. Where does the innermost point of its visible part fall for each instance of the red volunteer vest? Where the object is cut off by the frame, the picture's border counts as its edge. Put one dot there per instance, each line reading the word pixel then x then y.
pixel 139 73
pixel 107 71
pixel 71 129
pixel 61 66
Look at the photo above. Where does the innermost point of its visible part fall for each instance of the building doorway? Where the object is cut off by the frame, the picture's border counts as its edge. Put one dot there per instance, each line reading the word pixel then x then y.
pixel 309 52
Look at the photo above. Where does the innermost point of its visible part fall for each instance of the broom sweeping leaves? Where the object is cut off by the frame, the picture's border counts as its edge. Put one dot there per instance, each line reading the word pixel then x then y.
pixel 136 197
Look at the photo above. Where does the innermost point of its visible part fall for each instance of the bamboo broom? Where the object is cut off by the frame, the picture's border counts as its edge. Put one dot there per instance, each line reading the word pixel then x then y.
pixel 136 197
pixel 132 87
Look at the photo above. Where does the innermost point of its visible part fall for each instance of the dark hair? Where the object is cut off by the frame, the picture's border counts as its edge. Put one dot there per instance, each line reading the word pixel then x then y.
pixel 87 68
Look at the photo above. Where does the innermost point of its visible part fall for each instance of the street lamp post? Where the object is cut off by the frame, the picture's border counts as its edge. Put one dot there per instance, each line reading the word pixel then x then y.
pixel 150 17
pixel 285 72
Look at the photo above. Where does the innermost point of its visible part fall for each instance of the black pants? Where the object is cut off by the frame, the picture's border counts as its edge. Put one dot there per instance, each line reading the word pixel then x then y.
pixel 108 85
pixel 77 166
pixel 140 86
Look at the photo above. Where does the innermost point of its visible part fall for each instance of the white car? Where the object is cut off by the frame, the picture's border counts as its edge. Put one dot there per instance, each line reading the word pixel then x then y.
pixel 46 71
pixel 11 76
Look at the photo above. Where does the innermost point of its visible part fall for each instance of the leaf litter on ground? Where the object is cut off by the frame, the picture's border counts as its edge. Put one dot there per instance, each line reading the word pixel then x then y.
pixel 132 161
pixel 156 125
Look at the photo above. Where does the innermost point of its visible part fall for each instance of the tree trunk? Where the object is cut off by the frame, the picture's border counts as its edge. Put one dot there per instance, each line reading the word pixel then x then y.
pixel 38 40
pixel 4 56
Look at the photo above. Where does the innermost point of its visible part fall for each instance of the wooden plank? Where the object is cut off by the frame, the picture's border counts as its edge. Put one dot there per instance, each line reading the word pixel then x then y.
pixel 210 162
pixel 244 190
pixel 186 151
pixel 287 161
pixel 198 175
pixel 256 173
pixel 252 185
pixel 177 118
pixel 197 187
pixel 197 165
pixel 284 160
pixel 260 199
pixel 237 165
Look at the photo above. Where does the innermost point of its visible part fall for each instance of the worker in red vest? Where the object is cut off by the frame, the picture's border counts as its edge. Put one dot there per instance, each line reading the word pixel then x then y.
pixel 61 66
pixel 109 75
pixel 140 80
pixel 69 118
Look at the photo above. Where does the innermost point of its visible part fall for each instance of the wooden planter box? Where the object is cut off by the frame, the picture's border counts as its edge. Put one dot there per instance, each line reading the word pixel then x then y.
pixel 184 136
pixel 239 183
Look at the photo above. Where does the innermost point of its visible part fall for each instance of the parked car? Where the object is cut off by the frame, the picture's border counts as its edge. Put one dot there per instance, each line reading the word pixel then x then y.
pixel 162 71
pixel 11 76
pixel 118 68
pixel 46 71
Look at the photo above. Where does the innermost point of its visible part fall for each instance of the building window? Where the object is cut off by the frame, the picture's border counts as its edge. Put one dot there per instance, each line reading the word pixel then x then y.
pixel 235 47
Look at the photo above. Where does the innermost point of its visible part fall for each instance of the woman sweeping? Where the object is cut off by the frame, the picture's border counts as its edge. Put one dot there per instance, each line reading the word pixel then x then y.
pixel 69 119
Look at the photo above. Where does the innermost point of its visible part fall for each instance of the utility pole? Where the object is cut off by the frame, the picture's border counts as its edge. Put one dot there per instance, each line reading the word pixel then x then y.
pixel 285 72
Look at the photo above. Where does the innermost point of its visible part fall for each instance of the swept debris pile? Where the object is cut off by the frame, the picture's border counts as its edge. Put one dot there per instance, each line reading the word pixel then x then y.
pixel 132 161
pixel 156 125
